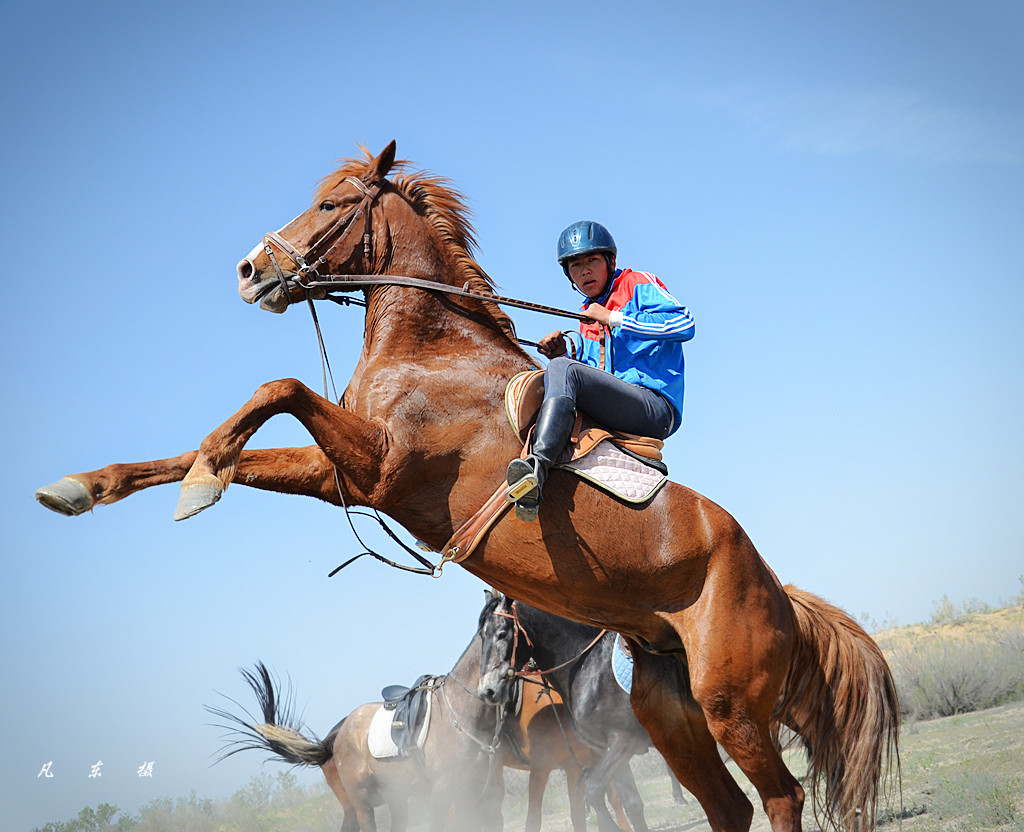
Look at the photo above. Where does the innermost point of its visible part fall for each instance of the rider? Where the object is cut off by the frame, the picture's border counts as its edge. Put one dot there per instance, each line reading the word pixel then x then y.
pixel 629 376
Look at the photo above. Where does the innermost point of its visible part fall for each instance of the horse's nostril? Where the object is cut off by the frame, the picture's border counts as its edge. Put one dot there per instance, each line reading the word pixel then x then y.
pixel 245 270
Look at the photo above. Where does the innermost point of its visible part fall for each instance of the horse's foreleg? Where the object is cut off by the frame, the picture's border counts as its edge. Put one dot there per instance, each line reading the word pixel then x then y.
pixel 538 783
pixel 629 797
pixel 304 471
pixel 601 777
pixel 577 806
pixel 680 733
pixel 354 444
pixel 79 493
pixel 399 809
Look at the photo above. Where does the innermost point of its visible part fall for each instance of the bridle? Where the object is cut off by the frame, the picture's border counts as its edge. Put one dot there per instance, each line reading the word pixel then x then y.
pixel 339 229
pixel 319 286
pixel 530 669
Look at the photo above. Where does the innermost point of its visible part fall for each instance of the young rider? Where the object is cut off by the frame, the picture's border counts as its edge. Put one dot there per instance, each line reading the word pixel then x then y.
pixel 629 375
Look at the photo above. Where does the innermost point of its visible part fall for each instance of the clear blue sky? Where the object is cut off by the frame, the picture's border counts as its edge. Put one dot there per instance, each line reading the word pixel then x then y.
pixel 835 190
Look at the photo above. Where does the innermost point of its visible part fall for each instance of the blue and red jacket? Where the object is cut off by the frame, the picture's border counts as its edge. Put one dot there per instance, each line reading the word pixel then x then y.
pixel 648 328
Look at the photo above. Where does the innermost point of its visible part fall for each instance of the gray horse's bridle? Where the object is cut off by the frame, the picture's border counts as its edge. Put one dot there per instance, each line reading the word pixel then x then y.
pixel 339 229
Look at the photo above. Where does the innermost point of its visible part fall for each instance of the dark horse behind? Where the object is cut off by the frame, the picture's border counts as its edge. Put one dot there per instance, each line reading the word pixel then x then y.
pixel 576 661
pixel 456 770
pixel 421 436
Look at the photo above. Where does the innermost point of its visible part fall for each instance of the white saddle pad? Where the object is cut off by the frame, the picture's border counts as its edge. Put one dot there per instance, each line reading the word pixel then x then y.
pixel 378 736
pixel 616 471
pixel 622 665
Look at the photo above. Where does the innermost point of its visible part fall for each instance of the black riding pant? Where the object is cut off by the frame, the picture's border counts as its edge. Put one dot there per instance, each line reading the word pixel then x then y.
pixel 609 400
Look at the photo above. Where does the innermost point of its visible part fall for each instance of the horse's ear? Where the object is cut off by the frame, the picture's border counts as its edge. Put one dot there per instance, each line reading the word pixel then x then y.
pixel 381 166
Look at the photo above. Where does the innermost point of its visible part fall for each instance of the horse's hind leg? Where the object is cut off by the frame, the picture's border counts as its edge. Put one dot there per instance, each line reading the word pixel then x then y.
pixel 736 682
pixel 678 730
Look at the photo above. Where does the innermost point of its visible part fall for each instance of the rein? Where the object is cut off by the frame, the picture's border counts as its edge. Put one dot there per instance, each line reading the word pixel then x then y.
pixel 500 715
pixel 320 289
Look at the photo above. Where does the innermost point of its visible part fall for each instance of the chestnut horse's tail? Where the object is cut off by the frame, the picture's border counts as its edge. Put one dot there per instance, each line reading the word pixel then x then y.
pixel 279 732
pixel 840 698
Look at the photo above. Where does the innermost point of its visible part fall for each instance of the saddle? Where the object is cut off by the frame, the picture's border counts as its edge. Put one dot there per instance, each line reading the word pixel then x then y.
pixel 523 398
pixel 409 711
pixel 623 464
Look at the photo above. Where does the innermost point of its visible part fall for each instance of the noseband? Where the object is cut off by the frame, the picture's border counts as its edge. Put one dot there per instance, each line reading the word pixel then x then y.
pixel 531 670
pixel 340 229
pixel 517 628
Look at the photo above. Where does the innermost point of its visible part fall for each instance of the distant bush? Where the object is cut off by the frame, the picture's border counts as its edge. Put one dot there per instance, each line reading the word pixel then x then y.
pixel 265 803
pixel 957 669
pixel 101 819
pixel 945 612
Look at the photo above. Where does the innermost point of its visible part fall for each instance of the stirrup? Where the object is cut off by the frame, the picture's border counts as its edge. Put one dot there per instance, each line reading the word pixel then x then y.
pixel 522 479
pixel 526 509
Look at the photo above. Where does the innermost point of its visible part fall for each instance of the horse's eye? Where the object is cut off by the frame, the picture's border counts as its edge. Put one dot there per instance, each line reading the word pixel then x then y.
pixel 327 205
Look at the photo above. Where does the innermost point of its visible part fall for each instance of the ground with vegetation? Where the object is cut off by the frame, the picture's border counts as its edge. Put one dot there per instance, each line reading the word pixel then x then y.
pixel 961 683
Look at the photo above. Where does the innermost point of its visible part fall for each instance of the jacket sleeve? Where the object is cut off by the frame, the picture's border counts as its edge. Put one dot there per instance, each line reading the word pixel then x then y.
pixel 653 314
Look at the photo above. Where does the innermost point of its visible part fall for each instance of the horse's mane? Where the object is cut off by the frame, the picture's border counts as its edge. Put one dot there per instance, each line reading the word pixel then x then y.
pixel 444 207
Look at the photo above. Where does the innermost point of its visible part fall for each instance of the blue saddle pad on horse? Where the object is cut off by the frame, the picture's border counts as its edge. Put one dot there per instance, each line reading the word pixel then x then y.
pixel 622 664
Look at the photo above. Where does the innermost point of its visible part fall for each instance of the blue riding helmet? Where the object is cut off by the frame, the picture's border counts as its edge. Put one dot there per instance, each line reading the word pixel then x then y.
pixel 583 237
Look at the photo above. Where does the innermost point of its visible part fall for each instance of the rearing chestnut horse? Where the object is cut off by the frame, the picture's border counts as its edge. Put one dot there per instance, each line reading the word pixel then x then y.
pixel 421 436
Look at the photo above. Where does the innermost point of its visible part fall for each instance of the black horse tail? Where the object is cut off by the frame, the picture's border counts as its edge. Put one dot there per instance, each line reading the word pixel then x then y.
pixel 279 732
pixel 840 698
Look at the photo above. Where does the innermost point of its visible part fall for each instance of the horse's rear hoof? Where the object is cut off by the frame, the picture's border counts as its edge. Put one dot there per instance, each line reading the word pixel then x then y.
pixel 67 496
pixel 195 496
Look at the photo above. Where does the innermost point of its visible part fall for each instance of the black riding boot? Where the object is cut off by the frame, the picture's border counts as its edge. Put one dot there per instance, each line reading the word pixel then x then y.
pixel 526 476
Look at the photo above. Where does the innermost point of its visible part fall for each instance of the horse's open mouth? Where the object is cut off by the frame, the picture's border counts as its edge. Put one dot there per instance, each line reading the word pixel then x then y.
pixel 266 290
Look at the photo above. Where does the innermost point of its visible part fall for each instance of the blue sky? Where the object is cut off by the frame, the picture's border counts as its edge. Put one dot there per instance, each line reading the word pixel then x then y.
pixel 835 191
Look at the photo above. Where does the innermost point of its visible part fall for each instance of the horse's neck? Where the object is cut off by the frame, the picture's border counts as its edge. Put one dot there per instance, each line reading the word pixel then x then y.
pixel 414 331
pixel 558 641
pixel 467 668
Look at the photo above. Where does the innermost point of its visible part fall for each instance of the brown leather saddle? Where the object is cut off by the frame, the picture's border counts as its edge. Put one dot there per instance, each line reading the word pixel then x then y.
pixel 523 398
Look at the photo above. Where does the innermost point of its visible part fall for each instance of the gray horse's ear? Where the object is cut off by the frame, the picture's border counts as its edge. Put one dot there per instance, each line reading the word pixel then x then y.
pixel 381 166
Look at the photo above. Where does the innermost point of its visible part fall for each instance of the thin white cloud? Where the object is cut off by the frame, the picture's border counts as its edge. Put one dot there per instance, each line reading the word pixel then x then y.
pixel 900 123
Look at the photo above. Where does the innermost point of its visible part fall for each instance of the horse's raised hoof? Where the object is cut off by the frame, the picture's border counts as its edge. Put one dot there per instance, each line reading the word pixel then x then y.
pixel 197 495
pixel 67 496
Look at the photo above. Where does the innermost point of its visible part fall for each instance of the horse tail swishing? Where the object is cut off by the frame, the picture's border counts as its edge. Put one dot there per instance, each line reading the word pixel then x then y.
pixel 840 697
pixel 282 734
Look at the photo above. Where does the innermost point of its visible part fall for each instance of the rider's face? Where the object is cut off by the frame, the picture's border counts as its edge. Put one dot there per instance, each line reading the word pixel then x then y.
pixel 590 272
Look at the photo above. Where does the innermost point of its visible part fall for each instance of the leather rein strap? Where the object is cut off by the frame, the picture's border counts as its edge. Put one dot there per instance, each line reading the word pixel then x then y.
pixel 317 286
pixel 360 281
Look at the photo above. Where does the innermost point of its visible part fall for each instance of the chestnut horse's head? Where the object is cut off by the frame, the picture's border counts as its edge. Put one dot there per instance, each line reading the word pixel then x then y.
pixel 335 234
